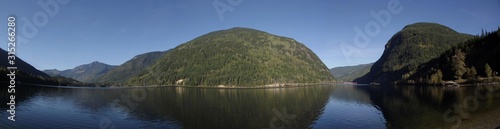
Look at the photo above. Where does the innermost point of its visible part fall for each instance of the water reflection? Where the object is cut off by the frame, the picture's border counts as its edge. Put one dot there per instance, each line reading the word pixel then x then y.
pixel 426 106
pixel 350 107
pixel 236 108
pixel 168 107
pixel 334 106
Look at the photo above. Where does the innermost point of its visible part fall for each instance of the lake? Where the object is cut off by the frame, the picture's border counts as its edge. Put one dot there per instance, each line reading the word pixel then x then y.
pixel 322 106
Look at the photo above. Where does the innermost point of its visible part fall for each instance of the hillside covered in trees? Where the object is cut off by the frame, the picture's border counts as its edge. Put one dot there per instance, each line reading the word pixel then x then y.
pixel 411 47
pixel 131 68
pixel 26 73
pixel 349 73
pixel 236 57
pixel 473 61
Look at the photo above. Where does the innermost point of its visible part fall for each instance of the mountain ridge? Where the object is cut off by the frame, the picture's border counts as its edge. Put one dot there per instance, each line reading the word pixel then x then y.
pixel 130 68
pixel 88 73
pixel 349 73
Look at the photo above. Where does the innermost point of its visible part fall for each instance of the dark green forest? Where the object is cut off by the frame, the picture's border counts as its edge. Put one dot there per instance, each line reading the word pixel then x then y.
pixel 414 45
pixel 475 60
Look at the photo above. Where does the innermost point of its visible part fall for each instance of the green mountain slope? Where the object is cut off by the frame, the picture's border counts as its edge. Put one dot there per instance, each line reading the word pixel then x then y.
pixel 88 73
pixel 406 50
pixel 475 58
pixel 236 57
pixel 131 68
pixel 349 73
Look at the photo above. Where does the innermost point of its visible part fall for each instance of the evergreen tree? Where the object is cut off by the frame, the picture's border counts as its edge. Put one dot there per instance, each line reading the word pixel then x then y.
pixel 471 73
pixel 458 64
pixel 436 78
pixel 488 70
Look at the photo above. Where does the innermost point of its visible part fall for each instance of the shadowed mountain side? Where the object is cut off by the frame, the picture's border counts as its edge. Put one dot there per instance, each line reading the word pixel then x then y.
pixel 415 44
pixel 131 68
pixel 26 73
pixel 474 60
pixel 21 65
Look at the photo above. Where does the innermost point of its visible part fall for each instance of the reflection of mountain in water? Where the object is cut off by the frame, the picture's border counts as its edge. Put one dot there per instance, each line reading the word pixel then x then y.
pixel 424 106
pixel 296 107
pixel 351 94
pixel 236 108
pixel 350 107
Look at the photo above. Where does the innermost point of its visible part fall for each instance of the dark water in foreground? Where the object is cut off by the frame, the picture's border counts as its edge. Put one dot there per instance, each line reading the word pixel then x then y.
pixel 334 106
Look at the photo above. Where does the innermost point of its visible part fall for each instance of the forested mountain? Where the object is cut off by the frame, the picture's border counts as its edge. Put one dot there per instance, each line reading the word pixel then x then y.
pixel 88 73
pixel 236 57
pixel 21 65
pixel 414 45
pixel 131 68
pixel 28 74
pixel 349 73
pixel 472 60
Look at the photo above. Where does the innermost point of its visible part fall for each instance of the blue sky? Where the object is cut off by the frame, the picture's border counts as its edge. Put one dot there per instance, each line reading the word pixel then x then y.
pixel 114 31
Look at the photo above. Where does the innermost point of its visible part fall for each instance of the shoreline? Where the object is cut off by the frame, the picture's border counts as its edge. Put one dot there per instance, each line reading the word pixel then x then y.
pixel 186 86
pixel 463 82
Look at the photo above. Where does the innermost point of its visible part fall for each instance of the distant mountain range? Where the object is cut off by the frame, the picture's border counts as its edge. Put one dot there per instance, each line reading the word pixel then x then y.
pixel 131 68
pixel 349 73
pixel 85 73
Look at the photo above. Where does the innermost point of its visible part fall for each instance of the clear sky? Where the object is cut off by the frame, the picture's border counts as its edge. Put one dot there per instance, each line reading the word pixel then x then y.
pixel 114 31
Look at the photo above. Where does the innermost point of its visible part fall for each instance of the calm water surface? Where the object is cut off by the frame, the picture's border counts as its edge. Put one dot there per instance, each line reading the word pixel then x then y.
pixel 334 106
